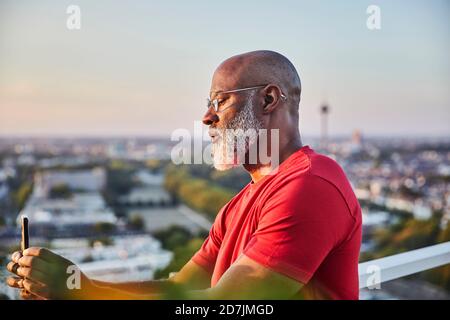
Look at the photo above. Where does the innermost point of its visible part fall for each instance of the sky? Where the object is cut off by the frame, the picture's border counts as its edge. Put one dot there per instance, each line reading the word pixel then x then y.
pixel 144 67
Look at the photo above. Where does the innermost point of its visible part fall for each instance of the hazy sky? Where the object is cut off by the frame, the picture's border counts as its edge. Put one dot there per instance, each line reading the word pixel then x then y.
pixel 144 67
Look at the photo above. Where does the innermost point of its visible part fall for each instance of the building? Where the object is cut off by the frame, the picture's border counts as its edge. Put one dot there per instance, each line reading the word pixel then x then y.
pixel 77 214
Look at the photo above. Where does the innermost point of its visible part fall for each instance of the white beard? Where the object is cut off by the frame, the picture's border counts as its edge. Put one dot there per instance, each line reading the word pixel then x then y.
pixel 225 151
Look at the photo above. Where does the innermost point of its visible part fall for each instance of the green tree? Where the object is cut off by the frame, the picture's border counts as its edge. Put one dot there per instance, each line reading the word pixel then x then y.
pixel 173 237
pixel 22 194
pixel 200 194
pixel 104 227
pixel 136 222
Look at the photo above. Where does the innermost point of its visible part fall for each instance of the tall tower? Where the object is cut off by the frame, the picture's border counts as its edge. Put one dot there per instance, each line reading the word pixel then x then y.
pixel 324 110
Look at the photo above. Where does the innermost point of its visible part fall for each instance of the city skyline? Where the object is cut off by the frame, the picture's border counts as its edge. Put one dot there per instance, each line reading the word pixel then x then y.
pixel 145 69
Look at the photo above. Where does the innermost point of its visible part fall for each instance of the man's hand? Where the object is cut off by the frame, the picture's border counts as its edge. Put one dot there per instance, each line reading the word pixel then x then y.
pixel 43 275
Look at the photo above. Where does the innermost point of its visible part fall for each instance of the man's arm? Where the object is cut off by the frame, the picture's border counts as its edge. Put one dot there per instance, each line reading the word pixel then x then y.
pixel 245 279
pixel 248 279
pixel 44 274
pixel 190 277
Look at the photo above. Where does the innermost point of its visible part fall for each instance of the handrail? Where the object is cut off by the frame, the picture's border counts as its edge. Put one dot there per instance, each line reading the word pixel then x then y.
pixel 374 272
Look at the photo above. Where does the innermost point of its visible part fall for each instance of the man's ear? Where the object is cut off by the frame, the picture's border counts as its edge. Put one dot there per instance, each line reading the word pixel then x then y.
pixel 271 99
pixel 268 99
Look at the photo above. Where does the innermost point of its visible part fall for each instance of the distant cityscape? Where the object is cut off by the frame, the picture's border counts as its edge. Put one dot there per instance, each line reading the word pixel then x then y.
pixel 102 201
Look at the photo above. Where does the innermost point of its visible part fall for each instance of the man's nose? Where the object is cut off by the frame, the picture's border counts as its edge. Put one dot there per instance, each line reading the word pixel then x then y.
pixel 210 117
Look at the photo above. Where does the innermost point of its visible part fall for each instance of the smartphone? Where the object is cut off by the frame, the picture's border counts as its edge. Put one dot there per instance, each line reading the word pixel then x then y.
pixel 25 242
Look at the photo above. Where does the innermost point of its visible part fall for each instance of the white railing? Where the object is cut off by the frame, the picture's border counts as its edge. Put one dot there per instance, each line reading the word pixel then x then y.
pixel 373 273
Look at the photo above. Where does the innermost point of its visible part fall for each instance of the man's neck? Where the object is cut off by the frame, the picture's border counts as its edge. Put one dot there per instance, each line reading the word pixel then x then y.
pixel 259 171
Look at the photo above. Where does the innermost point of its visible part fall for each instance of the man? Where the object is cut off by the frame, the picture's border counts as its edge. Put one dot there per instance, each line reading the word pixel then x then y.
pixel 293 231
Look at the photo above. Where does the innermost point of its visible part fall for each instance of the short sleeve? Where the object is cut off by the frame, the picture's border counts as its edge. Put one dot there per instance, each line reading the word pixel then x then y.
pixel 300 223
pixel 206 256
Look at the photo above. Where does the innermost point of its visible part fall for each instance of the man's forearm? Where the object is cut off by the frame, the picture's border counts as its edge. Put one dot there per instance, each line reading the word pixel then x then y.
pixel 148 290
pixel 137 287
pixel 142 290
pixel 113 293
pixel 155 290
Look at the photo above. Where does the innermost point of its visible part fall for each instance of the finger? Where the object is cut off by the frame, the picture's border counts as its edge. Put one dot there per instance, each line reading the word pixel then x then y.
pixel 29 296
pixel 12 267
pixel 33 274
pixel 40 252
pixel 35 263
pixel 16 256
pixel 35 288
pixel 14 282
pixel 24 294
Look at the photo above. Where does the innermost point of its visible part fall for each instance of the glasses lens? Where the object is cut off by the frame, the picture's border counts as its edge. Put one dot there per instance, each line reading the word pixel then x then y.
pixel 212 103
pixel 215 103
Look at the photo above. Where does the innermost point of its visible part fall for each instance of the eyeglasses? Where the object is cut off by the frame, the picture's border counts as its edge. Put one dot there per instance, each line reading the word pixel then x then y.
pixel 216 102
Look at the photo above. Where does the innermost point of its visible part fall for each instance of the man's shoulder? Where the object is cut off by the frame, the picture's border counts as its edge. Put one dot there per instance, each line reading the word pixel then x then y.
pixel 323 177
pixel 315 167
pixel 331 171
pixel 324 166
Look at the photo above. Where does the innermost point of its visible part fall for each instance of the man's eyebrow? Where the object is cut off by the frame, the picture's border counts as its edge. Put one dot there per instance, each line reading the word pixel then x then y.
pixel 217 95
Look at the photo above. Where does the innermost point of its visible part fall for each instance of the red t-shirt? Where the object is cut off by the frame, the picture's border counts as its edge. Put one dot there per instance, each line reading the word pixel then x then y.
pixel 304 222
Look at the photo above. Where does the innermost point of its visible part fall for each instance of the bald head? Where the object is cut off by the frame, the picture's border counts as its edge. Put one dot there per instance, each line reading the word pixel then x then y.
pixel 258 68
